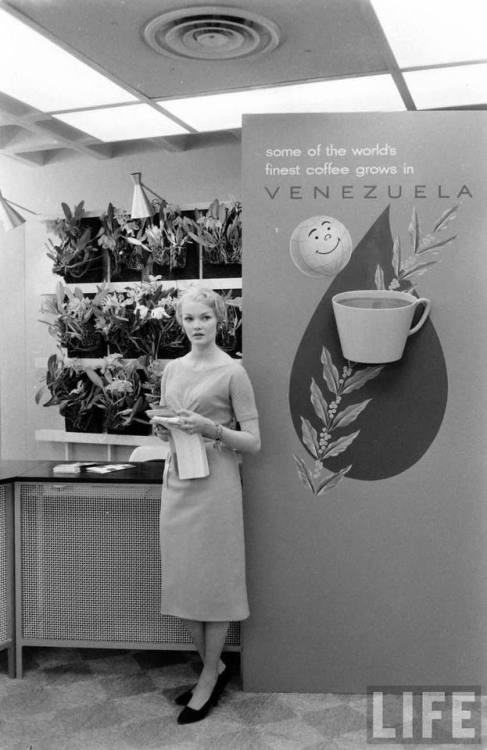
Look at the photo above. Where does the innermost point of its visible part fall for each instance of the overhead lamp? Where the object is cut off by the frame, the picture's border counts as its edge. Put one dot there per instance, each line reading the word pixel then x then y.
pixel 141 205
pixel 9 217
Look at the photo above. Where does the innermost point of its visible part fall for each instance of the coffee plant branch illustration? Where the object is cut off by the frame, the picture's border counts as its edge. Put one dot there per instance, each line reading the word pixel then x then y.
pixel 333 412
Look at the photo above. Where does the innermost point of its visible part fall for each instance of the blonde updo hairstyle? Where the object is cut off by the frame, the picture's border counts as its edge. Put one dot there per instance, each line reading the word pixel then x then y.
pixel 206 297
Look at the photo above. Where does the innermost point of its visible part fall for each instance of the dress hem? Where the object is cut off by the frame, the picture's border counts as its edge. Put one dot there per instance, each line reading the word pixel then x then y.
pixel 199 618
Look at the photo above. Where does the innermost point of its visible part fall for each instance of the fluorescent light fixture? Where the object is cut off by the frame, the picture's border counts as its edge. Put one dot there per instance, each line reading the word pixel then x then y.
pixel 123 123
pixel 454 86
pixel 431 32
pixel 42 74
pixel 224 111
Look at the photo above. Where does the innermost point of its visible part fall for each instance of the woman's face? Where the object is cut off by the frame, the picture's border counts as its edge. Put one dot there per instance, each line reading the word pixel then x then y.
pixel 199 322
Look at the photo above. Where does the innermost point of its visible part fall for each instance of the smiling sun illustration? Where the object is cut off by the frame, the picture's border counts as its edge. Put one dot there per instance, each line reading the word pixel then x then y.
pixel 320 246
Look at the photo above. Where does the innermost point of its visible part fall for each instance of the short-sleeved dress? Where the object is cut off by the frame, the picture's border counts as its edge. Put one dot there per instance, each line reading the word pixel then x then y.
pixel 201 521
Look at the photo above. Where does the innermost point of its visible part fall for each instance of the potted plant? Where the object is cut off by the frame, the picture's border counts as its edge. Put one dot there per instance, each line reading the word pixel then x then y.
pixel 74 392
pixel 74 255
pixel 117 228
pixel 121 395
pixel 139 320
pixel 167 241
pixel 219 232
pixel 229 332
pixel 72 322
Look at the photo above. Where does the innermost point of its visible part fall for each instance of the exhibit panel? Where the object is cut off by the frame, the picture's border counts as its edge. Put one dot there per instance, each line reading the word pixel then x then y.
pixel 365 509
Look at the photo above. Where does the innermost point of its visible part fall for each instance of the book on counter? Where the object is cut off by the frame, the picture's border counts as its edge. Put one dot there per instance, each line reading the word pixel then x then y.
pixel 192 461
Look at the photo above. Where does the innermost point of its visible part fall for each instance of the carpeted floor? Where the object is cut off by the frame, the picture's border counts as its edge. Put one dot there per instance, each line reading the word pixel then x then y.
pixel 118 700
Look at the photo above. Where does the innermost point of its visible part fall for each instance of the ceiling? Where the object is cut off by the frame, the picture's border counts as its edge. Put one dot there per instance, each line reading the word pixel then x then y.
pixel 318 40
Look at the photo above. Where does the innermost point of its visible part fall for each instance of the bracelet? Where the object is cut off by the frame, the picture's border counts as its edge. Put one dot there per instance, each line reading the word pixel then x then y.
pixel 218 436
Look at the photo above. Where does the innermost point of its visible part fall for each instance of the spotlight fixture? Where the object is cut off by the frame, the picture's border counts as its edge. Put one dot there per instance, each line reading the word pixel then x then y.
pixel 141 205
pixel 9 217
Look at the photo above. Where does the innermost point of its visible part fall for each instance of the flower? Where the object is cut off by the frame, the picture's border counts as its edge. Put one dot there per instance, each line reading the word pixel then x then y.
pixel 158 313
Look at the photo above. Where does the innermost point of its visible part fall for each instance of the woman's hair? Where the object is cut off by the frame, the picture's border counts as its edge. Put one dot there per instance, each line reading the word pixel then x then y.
pixel 206 297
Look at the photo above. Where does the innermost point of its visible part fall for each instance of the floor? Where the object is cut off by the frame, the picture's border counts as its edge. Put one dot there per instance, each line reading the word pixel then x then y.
pixel 90 699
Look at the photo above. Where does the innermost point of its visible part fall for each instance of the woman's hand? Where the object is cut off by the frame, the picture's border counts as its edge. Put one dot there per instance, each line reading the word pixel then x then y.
pixel 191 422
pixel 160 431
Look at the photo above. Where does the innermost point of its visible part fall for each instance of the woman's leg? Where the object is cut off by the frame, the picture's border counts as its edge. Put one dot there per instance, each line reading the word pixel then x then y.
pixel 215 634
pixel 196 630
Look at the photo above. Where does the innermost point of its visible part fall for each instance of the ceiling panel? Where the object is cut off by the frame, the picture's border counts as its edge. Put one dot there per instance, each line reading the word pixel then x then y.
pixel 321 38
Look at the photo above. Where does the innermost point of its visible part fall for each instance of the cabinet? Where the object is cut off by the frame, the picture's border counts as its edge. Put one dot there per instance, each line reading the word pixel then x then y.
pixel 88 568
pixel 7 574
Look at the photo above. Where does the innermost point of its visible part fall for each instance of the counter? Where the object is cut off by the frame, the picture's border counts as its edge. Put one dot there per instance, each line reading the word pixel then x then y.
pixel 87 561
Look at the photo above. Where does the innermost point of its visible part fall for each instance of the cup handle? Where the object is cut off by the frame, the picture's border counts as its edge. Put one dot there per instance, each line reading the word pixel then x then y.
pixel 426 312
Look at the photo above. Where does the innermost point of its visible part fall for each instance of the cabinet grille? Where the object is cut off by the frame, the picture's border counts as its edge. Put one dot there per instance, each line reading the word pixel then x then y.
pixel 5 584
pixel 91 565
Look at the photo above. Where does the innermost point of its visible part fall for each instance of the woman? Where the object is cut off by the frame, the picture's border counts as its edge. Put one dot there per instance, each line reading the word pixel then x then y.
pixel 202 539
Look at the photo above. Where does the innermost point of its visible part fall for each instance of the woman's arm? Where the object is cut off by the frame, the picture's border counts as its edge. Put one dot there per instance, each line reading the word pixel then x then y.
pixel 245 440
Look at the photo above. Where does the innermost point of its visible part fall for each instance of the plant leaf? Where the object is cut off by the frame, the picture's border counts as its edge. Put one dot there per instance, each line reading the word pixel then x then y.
pixel 379 278
pixel 445 217
pixel 340 445
pixel 359 378
pixel 426 248
pixel 319 403
pixel 418 267
pixel 304 474
pixel 396 256
pixel 350 414
pixel 413 230
pixel 94 377
pixel 332 480
pixel 310 437
pixel 330 372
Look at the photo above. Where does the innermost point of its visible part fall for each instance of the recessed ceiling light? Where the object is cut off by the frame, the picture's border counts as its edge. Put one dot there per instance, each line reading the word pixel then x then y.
pixel 454 86
pixel 224 111
pixel 45 76
pixel 122 123
pixel 430 32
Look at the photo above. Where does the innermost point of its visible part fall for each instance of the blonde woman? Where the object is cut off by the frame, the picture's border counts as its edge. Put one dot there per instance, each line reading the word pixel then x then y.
pixel 202 537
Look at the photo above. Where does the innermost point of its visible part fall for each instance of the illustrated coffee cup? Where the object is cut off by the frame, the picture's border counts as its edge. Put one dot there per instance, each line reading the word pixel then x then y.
pixel 374 324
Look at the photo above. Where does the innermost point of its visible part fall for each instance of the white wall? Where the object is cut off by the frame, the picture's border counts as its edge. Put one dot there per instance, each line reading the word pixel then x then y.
pixel 195 176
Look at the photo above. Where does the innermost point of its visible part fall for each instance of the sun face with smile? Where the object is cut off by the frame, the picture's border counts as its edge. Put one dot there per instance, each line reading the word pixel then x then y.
pixel 320 246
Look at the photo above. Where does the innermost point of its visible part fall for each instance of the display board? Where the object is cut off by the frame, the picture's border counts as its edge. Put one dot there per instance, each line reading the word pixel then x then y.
pixel 365 511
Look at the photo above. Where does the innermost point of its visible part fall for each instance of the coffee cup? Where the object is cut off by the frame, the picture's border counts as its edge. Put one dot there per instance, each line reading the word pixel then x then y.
pixel 374 324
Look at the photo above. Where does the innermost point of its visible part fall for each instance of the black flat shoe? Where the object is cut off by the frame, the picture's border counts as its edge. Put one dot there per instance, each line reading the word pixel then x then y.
pixel 221 682
pixel 190 715
pixel 183 698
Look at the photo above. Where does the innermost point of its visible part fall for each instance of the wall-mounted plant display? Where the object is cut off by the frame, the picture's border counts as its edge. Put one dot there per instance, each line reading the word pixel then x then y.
pixel 72 321
pixel 75 254
pixel 74 393
pixel 168 244
pixel 219 232
pixel 121 395
pixel 229 331
pixel 140 320
pixel 126 262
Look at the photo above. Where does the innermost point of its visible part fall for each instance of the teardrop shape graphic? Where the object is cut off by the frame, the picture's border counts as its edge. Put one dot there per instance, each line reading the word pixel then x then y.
pixel 396 409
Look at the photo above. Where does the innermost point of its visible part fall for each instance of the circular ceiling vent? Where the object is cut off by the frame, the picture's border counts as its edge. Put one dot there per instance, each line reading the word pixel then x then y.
pixel 211 32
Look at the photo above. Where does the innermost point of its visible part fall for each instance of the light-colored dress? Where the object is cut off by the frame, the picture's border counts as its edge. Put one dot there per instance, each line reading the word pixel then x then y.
pixel 201 522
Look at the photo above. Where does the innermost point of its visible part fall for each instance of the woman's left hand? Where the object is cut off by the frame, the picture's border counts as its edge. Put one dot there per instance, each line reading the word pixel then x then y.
pixel 191 422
